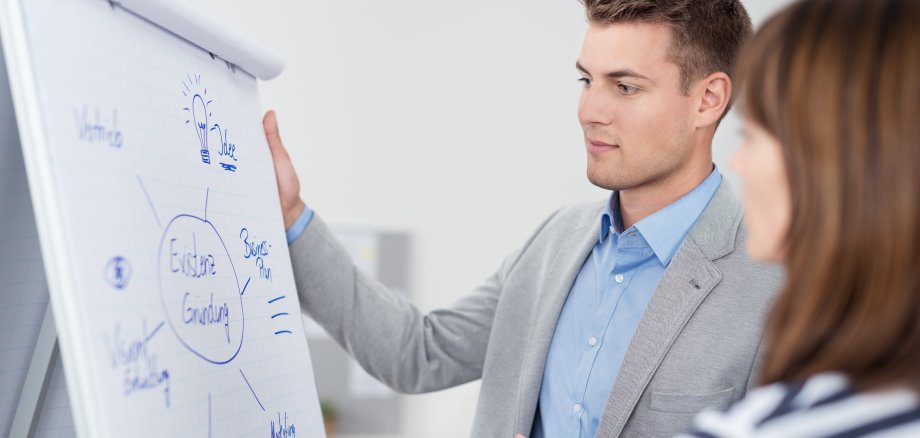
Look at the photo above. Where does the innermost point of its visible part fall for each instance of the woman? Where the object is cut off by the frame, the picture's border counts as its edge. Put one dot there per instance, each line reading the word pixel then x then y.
pixel 831 166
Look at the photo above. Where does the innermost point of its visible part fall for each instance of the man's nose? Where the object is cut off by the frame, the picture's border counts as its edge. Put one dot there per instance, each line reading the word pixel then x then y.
pixel 594 108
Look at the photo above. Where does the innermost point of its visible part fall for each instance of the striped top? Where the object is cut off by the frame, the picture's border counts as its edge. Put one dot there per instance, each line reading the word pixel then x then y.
pixel 824 406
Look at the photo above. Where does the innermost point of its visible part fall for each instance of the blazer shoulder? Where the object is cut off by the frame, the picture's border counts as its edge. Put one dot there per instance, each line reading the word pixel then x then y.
pixel 555 229
pixel 559 227
pixel 716 231
pixel 577 215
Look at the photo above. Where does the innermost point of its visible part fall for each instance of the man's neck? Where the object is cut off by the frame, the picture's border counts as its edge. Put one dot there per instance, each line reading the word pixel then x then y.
pixel 641 202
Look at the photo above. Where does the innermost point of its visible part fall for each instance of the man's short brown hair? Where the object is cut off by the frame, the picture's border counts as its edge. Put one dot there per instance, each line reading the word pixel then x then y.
pixel 707 34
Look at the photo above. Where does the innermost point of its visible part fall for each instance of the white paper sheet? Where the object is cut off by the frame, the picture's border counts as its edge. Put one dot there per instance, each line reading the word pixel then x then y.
pixel 160 224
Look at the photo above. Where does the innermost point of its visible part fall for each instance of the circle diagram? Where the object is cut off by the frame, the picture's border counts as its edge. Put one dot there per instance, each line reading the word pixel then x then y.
pixel 200 290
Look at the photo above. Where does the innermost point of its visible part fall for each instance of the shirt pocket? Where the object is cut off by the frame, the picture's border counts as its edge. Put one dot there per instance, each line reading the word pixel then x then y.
pixel 678 403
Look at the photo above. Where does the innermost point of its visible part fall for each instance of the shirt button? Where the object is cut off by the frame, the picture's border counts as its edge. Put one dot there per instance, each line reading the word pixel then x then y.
pixel 592 341
pixel 576 408
pixel 618 278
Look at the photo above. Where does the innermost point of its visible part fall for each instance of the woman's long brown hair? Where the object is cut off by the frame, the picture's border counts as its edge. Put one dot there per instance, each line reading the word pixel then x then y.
pixel 837 82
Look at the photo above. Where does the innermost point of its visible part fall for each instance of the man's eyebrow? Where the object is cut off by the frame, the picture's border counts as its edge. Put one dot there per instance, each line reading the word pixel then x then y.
pixel 617 74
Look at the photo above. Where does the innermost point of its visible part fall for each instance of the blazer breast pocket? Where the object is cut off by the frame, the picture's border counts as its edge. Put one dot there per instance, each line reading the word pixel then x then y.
pixel 679 403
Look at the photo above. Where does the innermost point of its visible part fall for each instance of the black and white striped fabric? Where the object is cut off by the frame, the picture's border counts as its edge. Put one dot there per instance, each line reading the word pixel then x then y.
pixel 823 407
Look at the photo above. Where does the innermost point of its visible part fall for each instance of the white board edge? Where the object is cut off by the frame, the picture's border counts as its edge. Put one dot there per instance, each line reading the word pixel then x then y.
pixel 48 218
pixel 210 34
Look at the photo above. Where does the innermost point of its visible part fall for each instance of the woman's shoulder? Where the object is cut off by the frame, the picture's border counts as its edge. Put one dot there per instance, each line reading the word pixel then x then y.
pixel 823 405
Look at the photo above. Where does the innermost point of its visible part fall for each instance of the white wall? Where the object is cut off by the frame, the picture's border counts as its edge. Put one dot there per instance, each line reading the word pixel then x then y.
pixel 455 121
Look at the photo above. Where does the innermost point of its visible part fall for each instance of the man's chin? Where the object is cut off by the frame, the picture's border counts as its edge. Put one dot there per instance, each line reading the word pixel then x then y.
pixel 608 182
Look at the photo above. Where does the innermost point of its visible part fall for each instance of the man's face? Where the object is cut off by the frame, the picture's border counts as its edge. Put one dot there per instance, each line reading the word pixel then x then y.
pixel 636 119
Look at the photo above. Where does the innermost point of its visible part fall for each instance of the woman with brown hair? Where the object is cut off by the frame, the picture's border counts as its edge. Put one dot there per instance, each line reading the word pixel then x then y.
pixel 831 96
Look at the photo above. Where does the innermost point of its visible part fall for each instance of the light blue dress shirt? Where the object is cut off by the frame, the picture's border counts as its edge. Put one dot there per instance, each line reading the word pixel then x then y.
pixel 604 307
pixel 300 225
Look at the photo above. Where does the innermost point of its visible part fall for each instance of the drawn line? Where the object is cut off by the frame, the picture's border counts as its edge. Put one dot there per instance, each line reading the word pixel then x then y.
pixel 275 299
pixel 159 326
pixel 253 391
pixel 206 195
pixel 245 286
pixel 283 331
pixel 279 314
pixel 149 201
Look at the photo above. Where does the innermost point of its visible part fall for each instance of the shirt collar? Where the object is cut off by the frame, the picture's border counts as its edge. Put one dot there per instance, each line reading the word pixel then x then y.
pixel 666 229
pixel 611 219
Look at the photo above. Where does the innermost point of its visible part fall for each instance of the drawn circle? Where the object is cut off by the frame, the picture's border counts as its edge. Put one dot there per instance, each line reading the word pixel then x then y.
pixel 118 272
pixel 200 290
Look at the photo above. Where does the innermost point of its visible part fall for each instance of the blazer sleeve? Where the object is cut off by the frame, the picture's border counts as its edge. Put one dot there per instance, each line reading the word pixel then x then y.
pixel 390 338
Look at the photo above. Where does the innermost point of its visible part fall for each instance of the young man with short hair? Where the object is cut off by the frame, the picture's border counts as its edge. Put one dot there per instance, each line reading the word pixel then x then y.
pixel 619 318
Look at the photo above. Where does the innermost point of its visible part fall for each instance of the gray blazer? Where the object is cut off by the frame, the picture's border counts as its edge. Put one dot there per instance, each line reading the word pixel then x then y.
pixel 696 346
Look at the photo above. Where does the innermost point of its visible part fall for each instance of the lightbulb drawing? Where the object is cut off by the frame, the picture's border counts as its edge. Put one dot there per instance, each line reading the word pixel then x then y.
pixel 198 114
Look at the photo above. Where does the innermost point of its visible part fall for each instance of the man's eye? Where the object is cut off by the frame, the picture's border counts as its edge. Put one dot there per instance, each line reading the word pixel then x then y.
pixel 627 89
pixel 585 82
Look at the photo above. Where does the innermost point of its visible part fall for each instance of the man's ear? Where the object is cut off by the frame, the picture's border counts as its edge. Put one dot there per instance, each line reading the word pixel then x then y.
pixel 715 93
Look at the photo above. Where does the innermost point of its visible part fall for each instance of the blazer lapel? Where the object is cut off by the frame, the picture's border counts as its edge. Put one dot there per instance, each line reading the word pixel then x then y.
pixel 686 282
pixel 558 282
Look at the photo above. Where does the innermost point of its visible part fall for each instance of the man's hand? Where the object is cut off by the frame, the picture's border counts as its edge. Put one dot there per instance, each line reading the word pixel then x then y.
pixel 288 183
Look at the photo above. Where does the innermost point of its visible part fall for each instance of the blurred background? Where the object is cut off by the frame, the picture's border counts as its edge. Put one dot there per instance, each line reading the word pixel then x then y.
pixel 434 136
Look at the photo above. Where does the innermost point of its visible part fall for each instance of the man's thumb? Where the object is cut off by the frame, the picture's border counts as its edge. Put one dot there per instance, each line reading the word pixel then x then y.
pixel 270 124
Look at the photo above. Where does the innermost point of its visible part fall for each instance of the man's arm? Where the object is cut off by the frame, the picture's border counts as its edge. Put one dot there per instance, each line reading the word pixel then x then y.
pixel 388 336
pixel 385 333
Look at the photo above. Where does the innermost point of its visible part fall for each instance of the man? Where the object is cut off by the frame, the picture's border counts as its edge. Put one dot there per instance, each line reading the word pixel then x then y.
pixel 620 318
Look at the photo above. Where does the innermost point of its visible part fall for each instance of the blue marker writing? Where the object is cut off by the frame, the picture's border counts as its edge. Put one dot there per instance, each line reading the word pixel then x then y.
pixel 258 250
pixel 191 264
pixel 140 371
pixel 227 149
pixel 283 430
pixel 96 130
pixel 207 315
